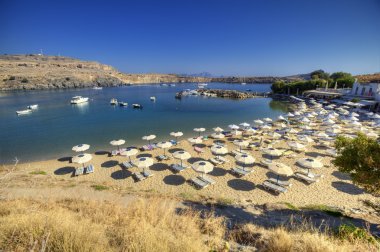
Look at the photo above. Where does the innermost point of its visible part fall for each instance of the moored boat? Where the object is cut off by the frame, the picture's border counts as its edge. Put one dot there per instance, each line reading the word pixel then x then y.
pixel 137 106
pixel 23 112
pixel 123 104
pixel 78 100
pixel 97 88
pixel 153 98
pixel 34 106
pixel 113 101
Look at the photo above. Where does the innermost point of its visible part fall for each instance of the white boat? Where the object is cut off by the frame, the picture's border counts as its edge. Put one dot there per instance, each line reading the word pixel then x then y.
pixel 172 85
pixel 243 83
pixel 123 104
pixel 97 88
pixel 153 98
pixel 78 100
pixel 137 106
pixel 34 106
pixel 113 101
pixel 24 112
pixel 163 85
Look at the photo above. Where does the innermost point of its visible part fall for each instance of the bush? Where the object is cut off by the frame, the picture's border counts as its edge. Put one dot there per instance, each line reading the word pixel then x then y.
pixel 100 187
pixel 24 80
pixel 355 100
pixel 353 233
pixel 12 78
pixel 38 173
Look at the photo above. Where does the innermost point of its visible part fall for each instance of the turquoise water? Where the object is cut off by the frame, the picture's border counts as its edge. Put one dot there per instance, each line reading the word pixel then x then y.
pixel 52 130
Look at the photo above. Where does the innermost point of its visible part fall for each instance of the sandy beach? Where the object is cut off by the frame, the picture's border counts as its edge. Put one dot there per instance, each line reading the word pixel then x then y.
pixel 333 189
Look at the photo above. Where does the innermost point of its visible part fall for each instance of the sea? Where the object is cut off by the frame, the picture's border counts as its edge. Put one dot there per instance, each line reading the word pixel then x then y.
pixel 56 126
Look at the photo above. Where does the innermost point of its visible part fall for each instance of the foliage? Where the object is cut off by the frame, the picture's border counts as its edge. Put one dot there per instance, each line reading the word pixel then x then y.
pixel 353 233
pixel 12 78
pixel 326 209
pixel 343 79
pixel 319 74
pixel 100 187
pixel 360 157
pixel 24 80
pixel 355 100
pixel 293 87
pixel 38 173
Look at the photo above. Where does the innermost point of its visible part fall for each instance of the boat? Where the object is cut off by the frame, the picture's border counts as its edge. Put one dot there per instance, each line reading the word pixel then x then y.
pixel 24 112
pixel 34 106
pixel 113 101
pixel 153 98
pixel 78 100
pixel 97 88
pixel 172 85
pixel 243 83
pixel 137 106
pixel 163 85
pixel 123 104
pixel 202 85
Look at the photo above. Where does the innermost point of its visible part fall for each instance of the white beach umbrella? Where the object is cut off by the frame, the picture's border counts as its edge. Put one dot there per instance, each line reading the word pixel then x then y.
pixel 372 135
pixel 143 162
pixel 250 131
pixel 219 150
pixel 331 152
pixel 272 151
pixel 266 127
pixel 309 115
pixel 202 166
pixel 328 122
pixel 309 163
pixel 245 159
pixel 81 147
pixel 241 143
pixel 129 152
pixel 354 114
pixel 321 134
pixel 297 113
pixel 281 118
pixel 305 127
pixel 336 126
pixel 267 119
pixel 218 135
pixel 280 169
pixel 292 131
pixel 353 118
pixel 233 126
pixel 218 129
pixel 305 138
pixel 176 135
pixel 181 155
pixel 375 116
pixel 274 135
pixel 195 140
pixel 164 145
pixel 290 114
pixel 149 138
pixel 199 130
pixel 305 120
pixel 296 146
pixel 117 143
pixel 258 122
pixel 283 125
pixel 245 124
pixel 333 131
pixel 355 123
pixel 81 158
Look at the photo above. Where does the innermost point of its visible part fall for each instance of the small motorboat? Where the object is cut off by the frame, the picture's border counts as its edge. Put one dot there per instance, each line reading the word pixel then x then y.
pixel 123 104
pixel 34 106
pixel 172 85
pixel 113 101
pixel 24 112
pixel 97 88
pixel 153 98
pixel 78 100
pixel 163 85
pixel 137 106
pixel 243 83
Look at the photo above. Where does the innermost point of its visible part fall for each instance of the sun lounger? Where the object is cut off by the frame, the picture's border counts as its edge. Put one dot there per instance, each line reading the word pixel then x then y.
pixel 117 152
pixel 215 161
pixel 275 188
pixel 240 171
pixel 90 169
pixel 127 164
pixel 79 171
pixel 174 142
pixel 162 157
pixel 266 162
pixel 310 174
pixel 198 183
pixel 147 173
pixel 279 182
pixel 177 167
pixel 238 151
pixel 207 179
pixel 138 176
pixel 305 178
pixel 199 150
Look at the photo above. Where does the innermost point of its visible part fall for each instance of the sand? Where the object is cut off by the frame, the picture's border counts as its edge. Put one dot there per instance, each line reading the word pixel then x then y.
pixel 334 189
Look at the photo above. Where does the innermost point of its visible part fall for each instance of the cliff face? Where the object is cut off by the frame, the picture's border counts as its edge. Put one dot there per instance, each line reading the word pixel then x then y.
pixel 30 71
pixel 268 79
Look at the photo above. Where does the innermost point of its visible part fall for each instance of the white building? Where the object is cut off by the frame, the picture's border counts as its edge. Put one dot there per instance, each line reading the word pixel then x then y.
pixel 369 91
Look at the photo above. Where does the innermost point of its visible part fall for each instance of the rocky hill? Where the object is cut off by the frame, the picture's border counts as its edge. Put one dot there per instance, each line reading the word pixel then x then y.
pixel 367 78
pixel 33 71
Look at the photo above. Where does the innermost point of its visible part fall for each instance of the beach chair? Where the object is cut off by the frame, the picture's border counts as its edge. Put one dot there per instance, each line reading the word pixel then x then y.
pixel 240 171
pixel 279 182
pixel 114 152
pixel 146 147
pixel 162 157
pixel 200 184
pixel 265 162
pixel 90 169
pixel 305 178
pixel 215 161
pixel 199 150
pixel 275 188
pixel 177 167
pixel 207 179
pixel 79 171
pixel 127 164
pixel 138 176
pixel 238 151
pixel 147 173
pixel 174 142
pixel 310 174
pixel 222 159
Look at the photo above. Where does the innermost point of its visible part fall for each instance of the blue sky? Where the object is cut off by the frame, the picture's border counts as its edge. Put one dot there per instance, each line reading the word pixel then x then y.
pixel 223 37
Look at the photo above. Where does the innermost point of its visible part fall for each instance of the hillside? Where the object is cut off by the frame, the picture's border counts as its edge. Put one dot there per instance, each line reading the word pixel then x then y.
pixel 367 78
pixel 44 72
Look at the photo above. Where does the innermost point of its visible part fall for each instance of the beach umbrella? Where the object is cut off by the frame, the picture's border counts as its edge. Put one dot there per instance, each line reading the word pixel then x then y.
pixel 249 131
pixel 195 140
pixel 266 127
pixel 245 124
pixel 258 122
pixel 333 131
pixel 305 120
pixel 274 135
pixel 199 130
pixel 129 152
pixel 336 126
pixel 81 158
pixel 309 163
pixel 218 129
pixel 321 135
pixel 355 123
pixel 81 147
pixel 272 151
pixel 290 114
pixel 164 145
pixel 328 122
pixel 219 150
pixel 331 152
pixel 233 126
pixel 353 118
pixel 267 119
pixel 281 118
pixel 217 135
pixel 309 115
pixel 241 143
pixel 375 116
pixel 280 169
pixel 283 125
pixel 292 131
pixel 181 155
pixel 117 143
pixel 354 114
pixel 296 146
pixel 305 138
pixel 245 159
pixel 305 127
pixel 297 113
pixel 176 135
pixel 149 138
pixel 202 166
pixel 372 135
pixel 143 162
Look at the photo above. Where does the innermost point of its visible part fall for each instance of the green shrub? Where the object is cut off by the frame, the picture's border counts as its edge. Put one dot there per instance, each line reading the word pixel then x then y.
pixel 38 173
pixel 100 187
pixel 353 233
pixel 25 80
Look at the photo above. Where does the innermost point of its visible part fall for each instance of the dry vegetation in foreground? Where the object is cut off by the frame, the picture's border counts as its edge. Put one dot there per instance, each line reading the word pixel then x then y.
pixel 149 224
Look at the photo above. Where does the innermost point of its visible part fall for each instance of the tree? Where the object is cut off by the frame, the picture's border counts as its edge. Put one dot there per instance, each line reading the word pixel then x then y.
pixel 343 79
pixel 360 157
pixel 319 74
pixel 278 87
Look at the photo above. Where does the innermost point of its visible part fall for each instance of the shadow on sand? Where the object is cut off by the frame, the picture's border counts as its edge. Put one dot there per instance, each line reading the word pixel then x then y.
pixel 65 170
pixel 217 172
pixel 109 164
pixel 64 159
pixel 121 174
pixel 241 185
pixel 174 180
pixel 347 188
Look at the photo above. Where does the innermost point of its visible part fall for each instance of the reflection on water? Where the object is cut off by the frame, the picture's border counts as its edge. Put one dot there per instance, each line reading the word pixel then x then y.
pixel 56 126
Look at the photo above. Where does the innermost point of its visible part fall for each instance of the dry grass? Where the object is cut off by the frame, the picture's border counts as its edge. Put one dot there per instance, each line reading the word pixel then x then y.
pixel 149 224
